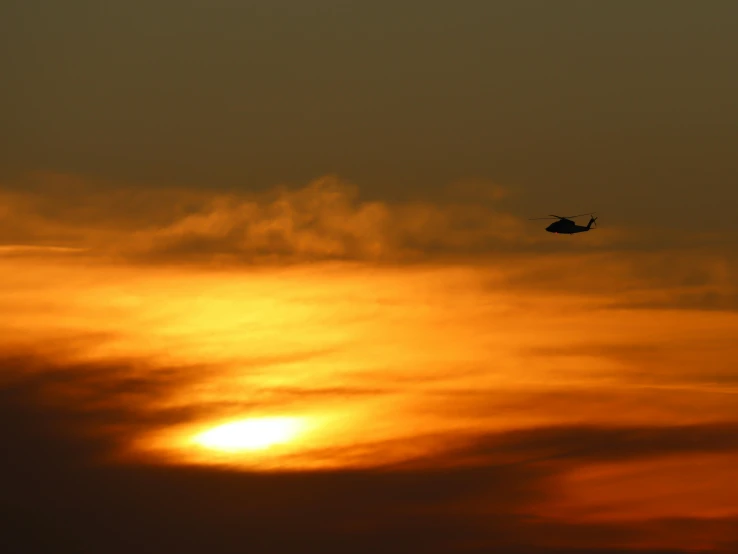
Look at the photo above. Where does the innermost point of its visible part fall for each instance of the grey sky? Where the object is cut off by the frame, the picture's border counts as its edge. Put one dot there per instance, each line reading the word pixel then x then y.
pixel 626 107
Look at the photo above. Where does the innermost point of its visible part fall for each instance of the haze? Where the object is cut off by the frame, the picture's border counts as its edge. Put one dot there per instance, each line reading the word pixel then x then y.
pixel 268 283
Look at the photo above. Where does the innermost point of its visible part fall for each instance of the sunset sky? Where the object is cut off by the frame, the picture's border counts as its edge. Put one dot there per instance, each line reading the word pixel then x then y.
pixel 268 283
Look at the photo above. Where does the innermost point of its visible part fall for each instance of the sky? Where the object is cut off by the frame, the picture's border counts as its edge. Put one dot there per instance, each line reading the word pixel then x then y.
pixel 268 279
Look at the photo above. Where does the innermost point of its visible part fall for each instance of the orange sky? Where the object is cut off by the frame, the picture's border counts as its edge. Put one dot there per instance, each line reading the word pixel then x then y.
pixel 268 281
pixel 592 390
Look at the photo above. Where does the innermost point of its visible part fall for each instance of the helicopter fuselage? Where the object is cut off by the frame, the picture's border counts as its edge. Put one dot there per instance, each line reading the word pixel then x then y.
pixel 566 227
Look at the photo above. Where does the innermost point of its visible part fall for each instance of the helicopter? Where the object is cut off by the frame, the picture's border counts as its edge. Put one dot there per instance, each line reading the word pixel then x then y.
pixel 566 226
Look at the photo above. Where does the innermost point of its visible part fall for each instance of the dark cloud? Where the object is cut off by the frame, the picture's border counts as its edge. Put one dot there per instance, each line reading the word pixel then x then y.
pixel 478 495
pixel 630 403
pixel 53 485
pixel 54 500
pixel 673 270
pixel 115 399
pixel 125 393
pixel 602 443
pixel 713 300
pixel 658 362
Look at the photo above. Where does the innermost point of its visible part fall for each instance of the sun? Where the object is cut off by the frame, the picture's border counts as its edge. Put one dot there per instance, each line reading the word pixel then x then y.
pixel 250 434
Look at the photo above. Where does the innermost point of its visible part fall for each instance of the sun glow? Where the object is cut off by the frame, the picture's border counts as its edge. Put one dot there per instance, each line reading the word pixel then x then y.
pixel 250 434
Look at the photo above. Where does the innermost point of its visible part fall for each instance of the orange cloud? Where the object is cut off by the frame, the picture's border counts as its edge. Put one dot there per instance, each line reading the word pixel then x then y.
pixel 327 219
pixel 324 220
pixel 523 400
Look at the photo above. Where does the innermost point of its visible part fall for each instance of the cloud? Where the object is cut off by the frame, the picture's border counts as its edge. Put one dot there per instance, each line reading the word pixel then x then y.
pixel 324 220
pixel 706 359
pixel 65 416
pixel 674 277
pixel 329 220
pixel 52 478
pixel 131 396
pixel 603 443
pixel 59 420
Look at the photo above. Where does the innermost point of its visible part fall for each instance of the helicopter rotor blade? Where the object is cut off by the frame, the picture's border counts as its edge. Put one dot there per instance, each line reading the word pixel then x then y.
pixel 554 216
pixel 572 216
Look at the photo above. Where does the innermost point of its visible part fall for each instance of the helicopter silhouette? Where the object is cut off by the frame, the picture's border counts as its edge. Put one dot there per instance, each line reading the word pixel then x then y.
pixel 566 226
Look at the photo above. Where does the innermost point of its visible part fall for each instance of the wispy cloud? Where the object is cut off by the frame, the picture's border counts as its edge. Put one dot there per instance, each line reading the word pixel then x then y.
pixel 326 219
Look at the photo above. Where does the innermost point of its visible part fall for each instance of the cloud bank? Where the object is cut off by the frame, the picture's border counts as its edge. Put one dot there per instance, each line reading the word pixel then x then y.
pixel 487 493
